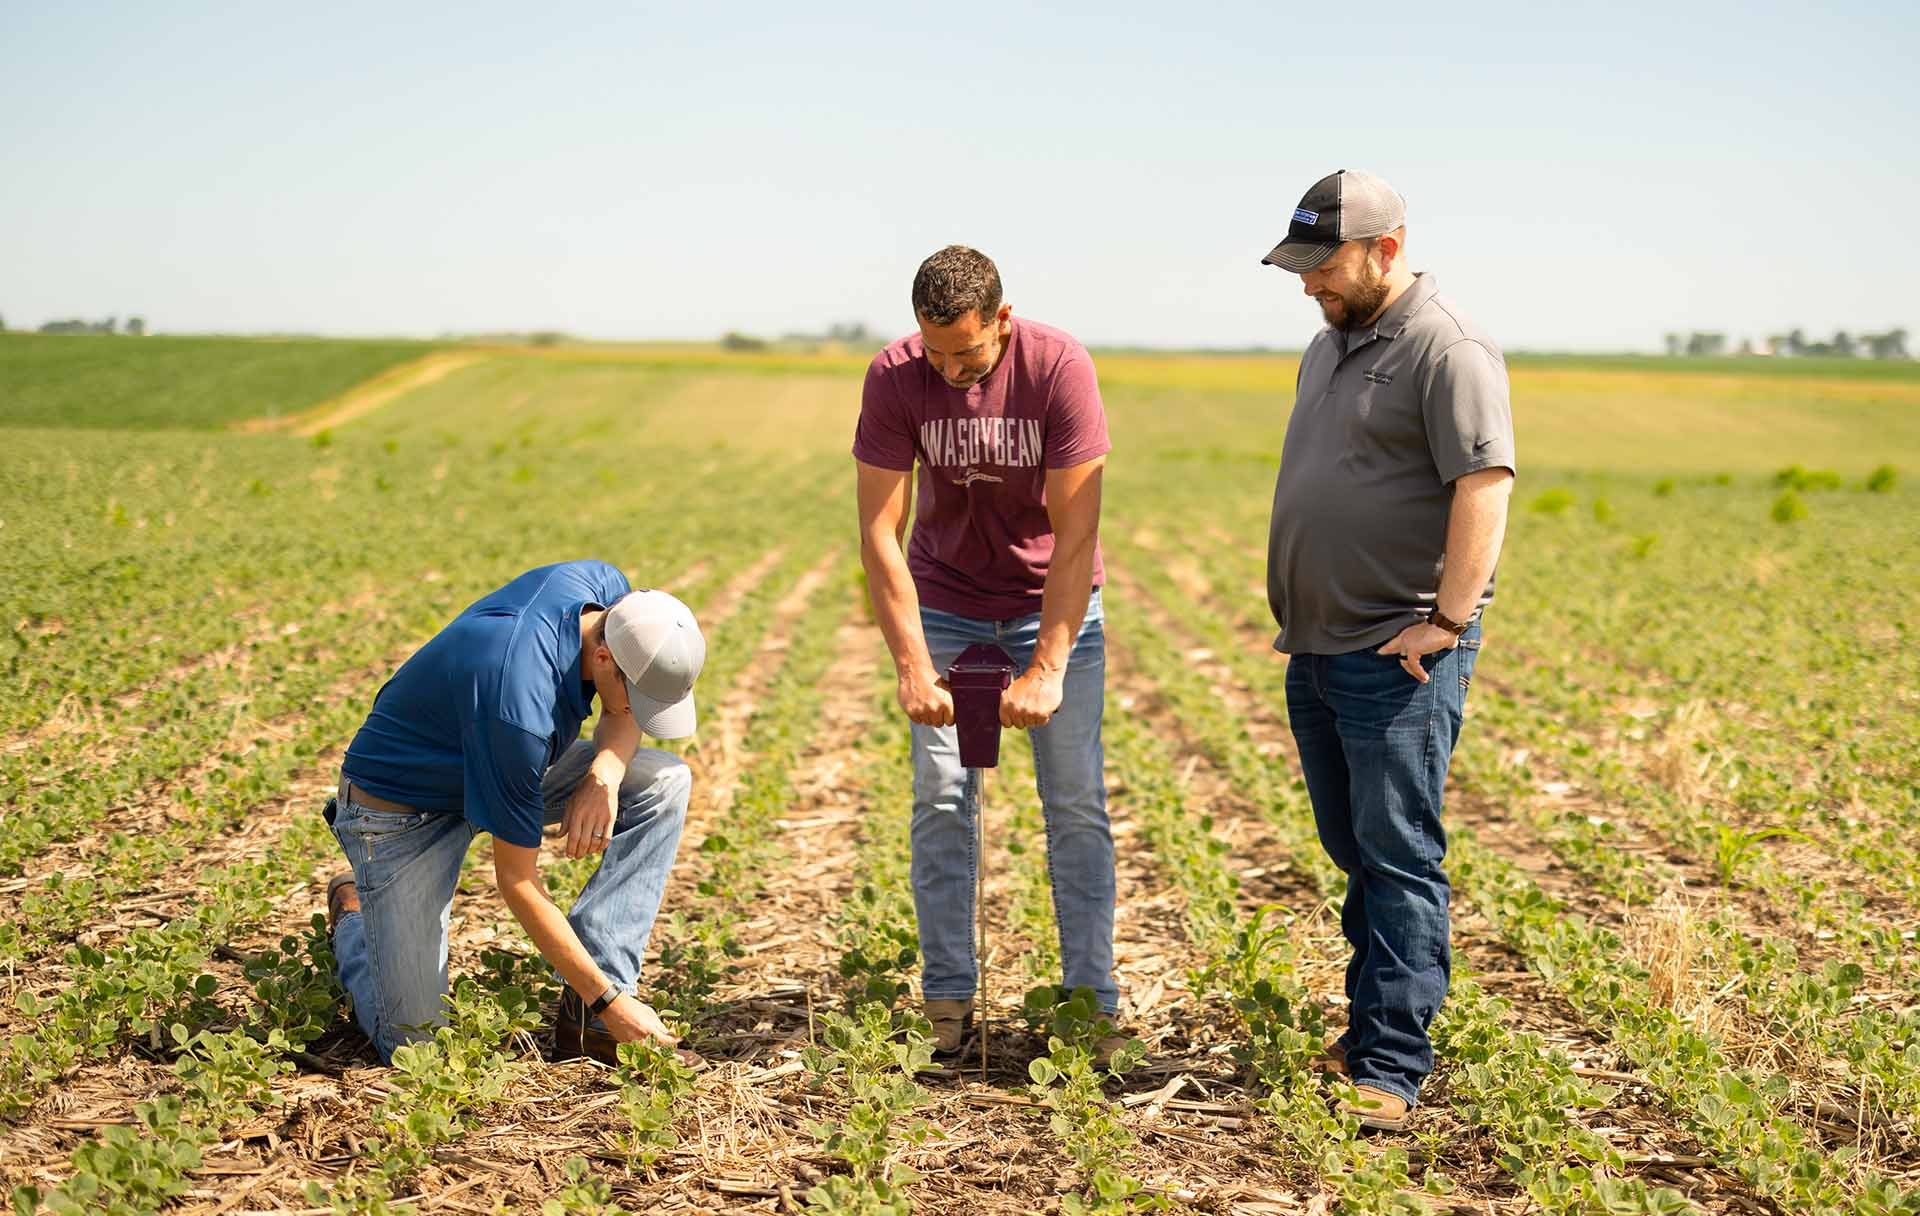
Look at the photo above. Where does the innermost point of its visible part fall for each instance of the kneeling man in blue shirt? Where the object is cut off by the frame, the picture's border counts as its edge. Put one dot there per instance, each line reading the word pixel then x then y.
pixel 480 732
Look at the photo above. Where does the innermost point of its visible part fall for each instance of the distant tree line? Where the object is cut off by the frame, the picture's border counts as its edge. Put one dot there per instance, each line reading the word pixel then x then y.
pixel 511 337
pixel 135 327
pixel 1701 342
pixel 854 334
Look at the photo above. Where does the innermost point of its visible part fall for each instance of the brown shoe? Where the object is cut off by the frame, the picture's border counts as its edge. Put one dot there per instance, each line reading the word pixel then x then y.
pixel 1333 1059
pixel 342 897
pixel 1379 1110
pixel 1108 1046
pixel 575 1035
pixel 952 1022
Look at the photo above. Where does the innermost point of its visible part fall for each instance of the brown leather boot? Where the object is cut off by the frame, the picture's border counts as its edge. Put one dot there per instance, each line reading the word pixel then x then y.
pixel 1333 1059
pixel 1379 1110
pixel 575 1035
pixel 952 1020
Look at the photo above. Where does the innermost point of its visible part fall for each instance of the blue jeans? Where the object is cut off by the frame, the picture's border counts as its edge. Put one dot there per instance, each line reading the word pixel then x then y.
pixel 1069 772
pixel 392 954
pixel 1374 747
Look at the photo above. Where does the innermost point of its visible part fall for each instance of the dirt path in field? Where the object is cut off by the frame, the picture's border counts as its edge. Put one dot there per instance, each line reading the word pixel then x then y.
pixel 789 967
pixel 744 1137
pixel 367 396
pixel 1634 1123
pixel 718 760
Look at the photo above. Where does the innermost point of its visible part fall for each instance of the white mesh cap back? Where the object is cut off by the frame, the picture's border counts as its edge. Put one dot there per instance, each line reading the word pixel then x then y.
pixel 1368 206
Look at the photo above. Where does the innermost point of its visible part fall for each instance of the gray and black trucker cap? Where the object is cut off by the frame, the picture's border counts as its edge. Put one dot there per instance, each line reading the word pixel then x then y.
pixel 1343 206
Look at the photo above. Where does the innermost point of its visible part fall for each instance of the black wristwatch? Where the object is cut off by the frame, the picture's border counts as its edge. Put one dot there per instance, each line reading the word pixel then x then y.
pixel 605 999
pixel 1436 617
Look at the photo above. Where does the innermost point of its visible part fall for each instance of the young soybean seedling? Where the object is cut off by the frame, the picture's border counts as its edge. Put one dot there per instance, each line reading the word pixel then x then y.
pixel 584 1195
pixel 652 1082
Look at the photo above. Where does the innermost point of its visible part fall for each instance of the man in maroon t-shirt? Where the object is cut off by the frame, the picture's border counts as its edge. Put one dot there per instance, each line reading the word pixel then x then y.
pixel 1003 417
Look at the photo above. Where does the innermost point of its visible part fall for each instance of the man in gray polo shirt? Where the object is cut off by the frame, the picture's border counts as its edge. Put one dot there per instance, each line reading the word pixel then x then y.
pixel 1388 514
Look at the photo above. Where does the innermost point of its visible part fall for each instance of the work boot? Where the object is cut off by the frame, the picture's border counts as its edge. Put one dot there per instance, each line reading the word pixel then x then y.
pixel 952 1020
pixel 342 897
pixel 1377 1109
pixel 1333 1059
pixel 575 1035
pixel 1110 1045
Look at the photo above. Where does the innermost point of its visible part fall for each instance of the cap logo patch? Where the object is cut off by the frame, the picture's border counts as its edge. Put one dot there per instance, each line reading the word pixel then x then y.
pixel 1303 216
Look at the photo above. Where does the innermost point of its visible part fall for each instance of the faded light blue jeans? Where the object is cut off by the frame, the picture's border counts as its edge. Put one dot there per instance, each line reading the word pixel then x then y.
pixel 1069 772
pixel 1375 744
pixel 392 954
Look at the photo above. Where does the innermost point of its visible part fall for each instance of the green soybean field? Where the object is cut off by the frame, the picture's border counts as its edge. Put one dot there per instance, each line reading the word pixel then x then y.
pixel 1684 815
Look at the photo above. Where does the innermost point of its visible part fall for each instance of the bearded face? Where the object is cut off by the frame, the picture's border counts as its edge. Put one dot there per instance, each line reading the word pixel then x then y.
pixel 1350 294
pixel 1349 287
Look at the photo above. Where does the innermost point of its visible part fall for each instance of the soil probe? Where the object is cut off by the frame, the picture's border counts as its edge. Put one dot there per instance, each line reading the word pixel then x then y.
pixel 977 678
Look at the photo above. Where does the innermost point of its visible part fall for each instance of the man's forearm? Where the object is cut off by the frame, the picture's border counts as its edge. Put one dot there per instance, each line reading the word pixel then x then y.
pixel 1063 603
pixel 896 606
pixel 1476 527
pixel 554 938
pixel 615 738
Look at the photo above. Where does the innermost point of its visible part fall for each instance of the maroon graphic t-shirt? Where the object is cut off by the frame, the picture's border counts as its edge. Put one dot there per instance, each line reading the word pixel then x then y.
pixel 981 537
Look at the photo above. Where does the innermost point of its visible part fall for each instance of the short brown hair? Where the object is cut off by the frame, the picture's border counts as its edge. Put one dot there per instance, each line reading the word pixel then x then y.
pixel 953 281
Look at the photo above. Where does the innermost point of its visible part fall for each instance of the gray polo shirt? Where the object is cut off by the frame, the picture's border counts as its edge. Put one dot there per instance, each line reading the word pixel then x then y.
pixel 1384 421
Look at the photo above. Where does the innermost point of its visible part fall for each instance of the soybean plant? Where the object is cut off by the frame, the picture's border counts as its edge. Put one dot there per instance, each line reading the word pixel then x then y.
pixel 652 1079
pixel 1067 1080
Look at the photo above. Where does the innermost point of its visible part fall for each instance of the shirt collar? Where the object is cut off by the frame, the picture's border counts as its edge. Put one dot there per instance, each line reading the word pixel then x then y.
pixel 573 685
pixel 1395 319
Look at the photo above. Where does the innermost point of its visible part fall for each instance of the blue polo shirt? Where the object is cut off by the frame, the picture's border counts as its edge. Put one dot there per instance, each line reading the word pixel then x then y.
pixel 470 723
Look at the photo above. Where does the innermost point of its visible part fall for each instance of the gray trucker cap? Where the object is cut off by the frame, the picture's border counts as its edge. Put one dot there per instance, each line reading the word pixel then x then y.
pixel 660 651
pixel 1343 206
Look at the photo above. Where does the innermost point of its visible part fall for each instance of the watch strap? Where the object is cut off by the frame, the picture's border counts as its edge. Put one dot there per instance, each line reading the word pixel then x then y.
pixel 1456 628
pixel 605 999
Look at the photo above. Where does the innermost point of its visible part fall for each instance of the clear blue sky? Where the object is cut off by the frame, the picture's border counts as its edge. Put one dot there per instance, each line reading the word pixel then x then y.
pixel 1579 176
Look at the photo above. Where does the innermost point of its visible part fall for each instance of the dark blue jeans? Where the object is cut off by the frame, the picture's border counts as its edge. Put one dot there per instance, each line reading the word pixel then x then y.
pixel 1374 747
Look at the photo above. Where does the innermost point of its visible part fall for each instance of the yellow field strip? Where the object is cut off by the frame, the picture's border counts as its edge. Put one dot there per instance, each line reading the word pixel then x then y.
pixel 369 395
